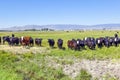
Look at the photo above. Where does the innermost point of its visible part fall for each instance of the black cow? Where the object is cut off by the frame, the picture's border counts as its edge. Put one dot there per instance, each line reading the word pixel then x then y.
pixel 99 42
pixel 0 40
pixel 31 41
pixel 6 39
pixel 38 41
pixel 80 44
pixel 106 42
pixel 111 41
pixel 60 43
pixel 116 41
pixel 90 42
pixel 51 42
pixel 11 40
pixel 14 41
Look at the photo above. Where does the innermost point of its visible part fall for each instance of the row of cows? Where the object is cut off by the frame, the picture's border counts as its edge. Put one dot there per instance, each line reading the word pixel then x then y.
pixel 74 44
pixel 91 42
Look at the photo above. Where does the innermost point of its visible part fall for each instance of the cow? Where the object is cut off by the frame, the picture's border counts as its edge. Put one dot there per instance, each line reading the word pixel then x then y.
pixel 80 44
pixel 111 41
pixel 6 39
pixel 0 40
pixel 51 42
pixel 38 41
pixel 90 42
pixel 99 42
pixel 69 44
pixel 60 43
pixel 106 42
pixel 116 41
pixel 11 40
pixel 73 44
pixel 14 41
pixel 31 41
pixel 25 40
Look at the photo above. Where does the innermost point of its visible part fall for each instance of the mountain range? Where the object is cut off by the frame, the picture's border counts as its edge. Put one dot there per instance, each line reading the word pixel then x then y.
pixel 65 27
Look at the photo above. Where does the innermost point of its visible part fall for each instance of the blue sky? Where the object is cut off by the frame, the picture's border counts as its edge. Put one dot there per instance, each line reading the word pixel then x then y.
pixel 43 12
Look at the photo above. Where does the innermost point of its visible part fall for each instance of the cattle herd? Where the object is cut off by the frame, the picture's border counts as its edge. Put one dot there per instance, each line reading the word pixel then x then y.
pixel 74 44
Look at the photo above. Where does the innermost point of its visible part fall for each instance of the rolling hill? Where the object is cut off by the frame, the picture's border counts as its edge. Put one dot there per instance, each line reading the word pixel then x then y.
pixel 65 27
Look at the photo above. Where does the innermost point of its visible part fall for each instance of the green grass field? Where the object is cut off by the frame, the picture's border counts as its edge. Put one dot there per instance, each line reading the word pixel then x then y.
pixel 31 66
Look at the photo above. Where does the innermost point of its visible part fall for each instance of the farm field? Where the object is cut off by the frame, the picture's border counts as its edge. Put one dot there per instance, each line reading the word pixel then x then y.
pixel 45 63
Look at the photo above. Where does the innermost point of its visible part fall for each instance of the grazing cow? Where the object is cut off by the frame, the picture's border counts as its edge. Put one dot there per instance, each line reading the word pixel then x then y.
pixel 76 45
pixel 11 40
pixel 116 41
pixel 60 43
pixel 86 39
pixel 80 44
pixel 14 41
pixel 38 41
pixel 106 42
pixel 69 44
pixel 111 40
pixel 99 42
pixel 6 39
pixel 90 42
pixel 73 44
pixel 51 42
pixel 31 41
pixel 25 41
pixel 0 40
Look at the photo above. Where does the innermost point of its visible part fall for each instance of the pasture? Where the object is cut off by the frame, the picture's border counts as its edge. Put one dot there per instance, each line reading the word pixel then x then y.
pixel 45 63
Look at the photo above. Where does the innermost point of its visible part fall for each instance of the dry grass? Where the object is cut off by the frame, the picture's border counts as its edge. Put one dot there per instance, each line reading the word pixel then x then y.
pixel 22 50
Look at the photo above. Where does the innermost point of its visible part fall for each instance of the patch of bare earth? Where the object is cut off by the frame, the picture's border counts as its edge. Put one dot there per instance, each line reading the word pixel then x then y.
pixel 97 68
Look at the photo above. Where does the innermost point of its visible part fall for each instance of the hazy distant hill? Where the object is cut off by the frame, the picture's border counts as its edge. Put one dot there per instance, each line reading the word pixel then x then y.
pixel 64 27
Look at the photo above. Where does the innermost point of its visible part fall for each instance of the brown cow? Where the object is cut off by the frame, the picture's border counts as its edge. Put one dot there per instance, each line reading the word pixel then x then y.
pixel 72 44
pixel 25 41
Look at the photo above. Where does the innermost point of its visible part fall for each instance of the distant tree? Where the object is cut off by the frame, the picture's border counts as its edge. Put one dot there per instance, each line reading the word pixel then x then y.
pixel 47 29
pixel 30 30
pixel 104 28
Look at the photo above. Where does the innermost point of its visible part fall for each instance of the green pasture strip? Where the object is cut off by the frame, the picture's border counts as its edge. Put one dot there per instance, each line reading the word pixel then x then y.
pixel 60 34
pixel 27 66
